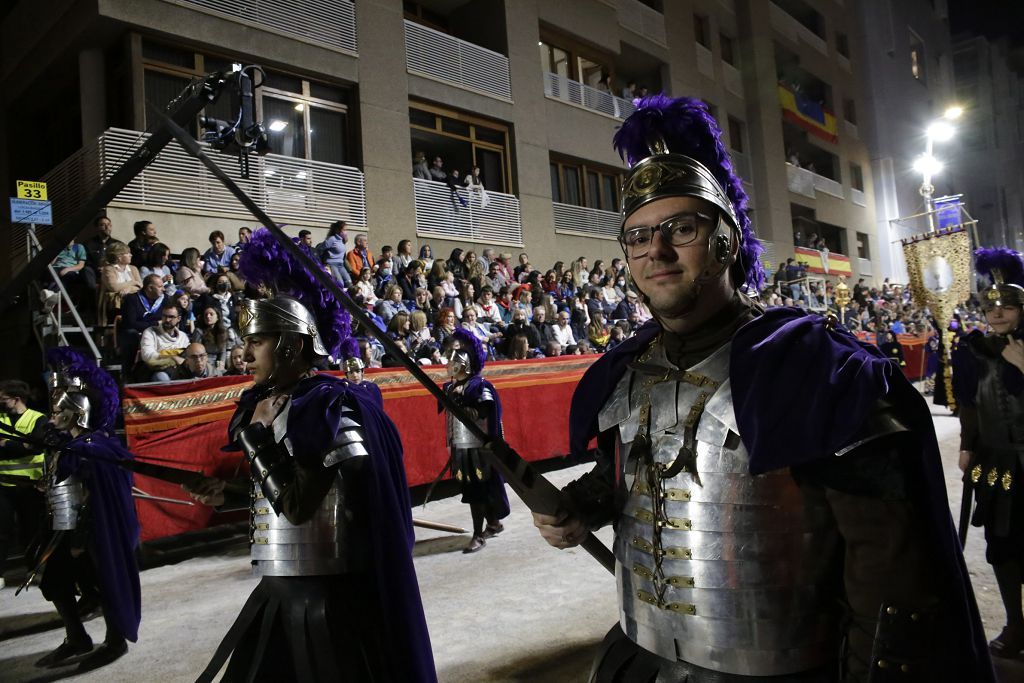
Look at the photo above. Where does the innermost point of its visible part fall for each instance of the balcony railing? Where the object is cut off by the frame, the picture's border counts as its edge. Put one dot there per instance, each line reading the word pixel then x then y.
pixel 448 59
pixel 582 220
pixel 864 266
pixel 808 184
pixel 295 191
pixel 567 90
pixel 857 197
pixel 851 129
pixel 785 24
pixel 642 20
pixel 490 217
pixel 331 23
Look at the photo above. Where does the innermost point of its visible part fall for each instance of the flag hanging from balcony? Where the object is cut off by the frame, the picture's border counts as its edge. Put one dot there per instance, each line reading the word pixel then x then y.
pixel 809 115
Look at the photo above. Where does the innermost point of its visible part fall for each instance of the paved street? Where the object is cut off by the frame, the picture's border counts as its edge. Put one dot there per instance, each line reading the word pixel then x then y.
pixel 516 611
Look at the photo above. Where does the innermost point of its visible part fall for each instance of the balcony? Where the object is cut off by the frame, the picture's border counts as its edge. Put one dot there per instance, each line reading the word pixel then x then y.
pixel 489 218
pixel 851 129
pixel 327 23
pixel 785 24
pixel 733 79
pixel 857 197
pixel 864 266
pixel 295 191
pixel 642 20
pixel 705 61
pixel 586 222
pixel 573 92
pixel 808 184
pixel 441 57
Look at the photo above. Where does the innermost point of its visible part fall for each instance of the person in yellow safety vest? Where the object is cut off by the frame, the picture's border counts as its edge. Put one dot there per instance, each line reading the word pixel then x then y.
pixel 24 502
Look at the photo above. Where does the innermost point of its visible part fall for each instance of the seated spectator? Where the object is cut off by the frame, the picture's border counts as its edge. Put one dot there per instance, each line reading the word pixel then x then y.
pixel 215 335
pixel 409 280
pixel 391 304
pixel 145 238
pixel 157 264
pixel 567 287
pixel 238 283
pixel 542 326
pixel 616 335
pixel 474 270
pixel 519 328
pixel 562 332
pixel 550 282
pixel 419 332
pixel 384 277
pixel 629 304
pixel 142 309
pixel 582 348
pixel 597 331
pixel 190 274
pixel 306 243
pixel 188 316
pixel 118 279
pixel 444 326
pixel 505 263
pixel 426 257
pixel 490 312
pixel 456 265
pixel 613 294
pixel 360 256
pixel 236 362
pixel 465 299
pixel 370 354
pixel 518 348
pixel 399 328
pixel 552 349
pixel 162 346
pixel 365 289
pixel 494 278
pixel 437 300
pixel 197 364
pixel 505 304
pixel 421 302
pixel 217 258
pixel 70 267
pixel 403 256
pixel 449 288
pixel 334 253
pixel 222 298
pixel 483 332
pixel 523 269
pixel 96 246
pixel 244 237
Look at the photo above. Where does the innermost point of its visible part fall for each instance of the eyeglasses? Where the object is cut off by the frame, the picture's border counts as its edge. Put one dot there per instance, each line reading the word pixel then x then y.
pixel 678 231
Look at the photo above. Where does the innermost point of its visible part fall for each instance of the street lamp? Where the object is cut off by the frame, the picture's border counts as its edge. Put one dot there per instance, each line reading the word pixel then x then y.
pixel 926 164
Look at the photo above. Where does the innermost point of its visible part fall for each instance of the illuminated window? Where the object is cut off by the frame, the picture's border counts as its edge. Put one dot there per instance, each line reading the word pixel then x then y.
pixel 917 57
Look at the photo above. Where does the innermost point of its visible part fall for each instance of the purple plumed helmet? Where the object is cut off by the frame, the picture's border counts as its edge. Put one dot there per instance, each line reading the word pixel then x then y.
pixel 100 387
pixel 659 141
pixel 477 352
pixel 1005 268
pixel 265 262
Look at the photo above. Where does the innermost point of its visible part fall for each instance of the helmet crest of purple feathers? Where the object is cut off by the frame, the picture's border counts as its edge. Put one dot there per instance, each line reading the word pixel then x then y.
pixel 477 353
pixel 1002 265
pixel 687 128
pixel 264 261
pixel 100 386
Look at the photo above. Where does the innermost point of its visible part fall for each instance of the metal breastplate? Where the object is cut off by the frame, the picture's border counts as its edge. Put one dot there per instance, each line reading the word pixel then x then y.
pixel 65 500
pixel 459 435
pixel 335 540
pixel 717 568
pixel 1000 415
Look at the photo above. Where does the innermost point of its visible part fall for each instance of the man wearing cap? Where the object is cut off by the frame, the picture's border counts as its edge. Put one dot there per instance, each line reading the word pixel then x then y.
pixel 754 541
pixel 989 386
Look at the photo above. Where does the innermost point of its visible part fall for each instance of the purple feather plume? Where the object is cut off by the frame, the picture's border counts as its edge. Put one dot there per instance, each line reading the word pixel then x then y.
pixel 101 387
pixel 477 355
pixel 1009 262
pixel 688 128
pixel 266 262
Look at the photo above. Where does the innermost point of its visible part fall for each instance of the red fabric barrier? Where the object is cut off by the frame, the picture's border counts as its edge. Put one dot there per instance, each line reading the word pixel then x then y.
pixel 184 424
pixel 914 352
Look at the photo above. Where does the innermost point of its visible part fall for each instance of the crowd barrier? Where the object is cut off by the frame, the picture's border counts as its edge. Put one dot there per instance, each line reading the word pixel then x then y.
pixel 184 424
pixel 915 352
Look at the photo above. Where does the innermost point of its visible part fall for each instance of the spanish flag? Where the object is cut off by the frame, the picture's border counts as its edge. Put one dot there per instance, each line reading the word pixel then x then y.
pixel 809 115
pixel 823 262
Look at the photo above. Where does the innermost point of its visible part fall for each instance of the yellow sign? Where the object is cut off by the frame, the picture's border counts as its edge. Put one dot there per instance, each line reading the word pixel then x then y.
pixel 31 189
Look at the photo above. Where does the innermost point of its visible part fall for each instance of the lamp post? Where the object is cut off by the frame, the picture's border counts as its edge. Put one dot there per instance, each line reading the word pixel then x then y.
pixel 927 165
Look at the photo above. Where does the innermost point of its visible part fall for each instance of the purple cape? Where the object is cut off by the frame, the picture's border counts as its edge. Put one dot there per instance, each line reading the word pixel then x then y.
pixel 114 535
pixel 313 421
pixel 777 360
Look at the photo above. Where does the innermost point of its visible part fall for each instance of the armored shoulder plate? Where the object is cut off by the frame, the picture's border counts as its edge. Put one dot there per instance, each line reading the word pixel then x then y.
pixel 349 442
pixel 883 421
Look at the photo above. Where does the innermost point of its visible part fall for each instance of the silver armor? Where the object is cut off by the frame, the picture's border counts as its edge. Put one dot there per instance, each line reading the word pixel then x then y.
pixel 459 435
pixel 65 500
pixel 279 315
pixel 714 567
pixel 329 543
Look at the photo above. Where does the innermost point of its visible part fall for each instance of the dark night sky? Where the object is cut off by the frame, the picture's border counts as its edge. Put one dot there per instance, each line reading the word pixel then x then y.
pixel 991 18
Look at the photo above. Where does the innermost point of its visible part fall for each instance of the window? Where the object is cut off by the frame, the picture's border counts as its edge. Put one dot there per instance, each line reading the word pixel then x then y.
pixel 917 57
pixel 842 44
pixel 863 246
pixel 554 60
pixel 563 56
pixel 736 135
pixel 728 49
pixel 462 141
pixel 583 184
pixel 850 111
pixel 856 177
pixel 701 30
pixel 305 119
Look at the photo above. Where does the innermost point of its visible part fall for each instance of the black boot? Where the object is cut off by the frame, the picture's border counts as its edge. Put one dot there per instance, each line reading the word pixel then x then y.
pixel 68 650
pixel 493 529
pixel 475 544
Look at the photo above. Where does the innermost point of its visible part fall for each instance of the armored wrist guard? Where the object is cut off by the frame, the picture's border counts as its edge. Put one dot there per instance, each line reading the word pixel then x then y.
pixel 268 462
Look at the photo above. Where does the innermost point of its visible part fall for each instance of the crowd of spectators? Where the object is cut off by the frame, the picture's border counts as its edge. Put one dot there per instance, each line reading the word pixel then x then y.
pixel 177 318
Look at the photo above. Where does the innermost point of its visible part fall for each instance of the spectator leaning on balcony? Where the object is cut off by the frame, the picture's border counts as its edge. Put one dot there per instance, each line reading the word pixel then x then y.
pixel 420 168
pixel 217 258
pixel 145 238
pixel 437 170
pixel 162 346
pixel 360 257
pixel 118 279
